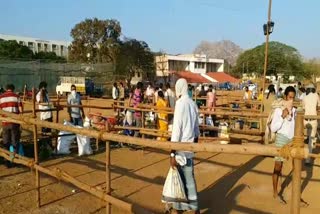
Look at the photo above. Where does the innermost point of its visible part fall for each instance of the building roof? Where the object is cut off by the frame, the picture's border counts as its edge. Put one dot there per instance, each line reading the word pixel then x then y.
pixel 223 77
pixel 191 77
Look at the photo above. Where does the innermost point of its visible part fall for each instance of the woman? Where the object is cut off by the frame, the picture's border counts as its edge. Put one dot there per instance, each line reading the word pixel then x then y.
pixel 162 117
pixel 283 122
pixel 211 98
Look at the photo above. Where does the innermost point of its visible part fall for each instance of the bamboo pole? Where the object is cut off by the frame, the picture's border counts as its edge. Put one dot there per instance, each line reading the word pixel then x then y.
pixel 108 176
pixel 61 175
pixel 297 165
pixel 35 148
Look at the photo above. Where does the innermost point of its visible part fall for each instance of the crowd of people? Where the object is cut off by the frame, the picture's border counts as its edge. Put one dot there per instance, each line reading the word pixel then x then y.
pixel 185 120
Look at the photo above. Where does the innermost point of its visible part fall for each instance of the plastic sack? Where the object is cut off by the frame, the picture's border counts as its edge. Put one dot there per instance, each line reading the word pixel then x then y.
pixel 223 132
pixel 84 147
pixel 64 142
pixel 173 189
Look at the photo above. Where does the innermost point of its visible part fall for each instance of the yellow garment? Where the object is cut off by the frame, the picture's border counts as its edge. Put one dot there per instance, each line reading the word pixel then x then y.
pixel 260 97
pixel 162 118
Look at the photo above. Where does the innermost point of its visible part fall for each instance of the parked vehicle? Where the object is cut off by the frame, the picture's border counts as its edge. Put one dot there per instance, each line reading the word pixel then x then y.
pixel 225 86
pixel 84 85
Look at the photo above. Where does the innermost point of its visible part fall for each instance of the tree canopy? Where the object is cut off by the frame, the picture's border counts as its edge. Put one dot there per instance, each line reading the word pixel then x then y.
pixel 13 50
pixel 224 49
pixel 95 40
pixel 135 57
pixel 282 59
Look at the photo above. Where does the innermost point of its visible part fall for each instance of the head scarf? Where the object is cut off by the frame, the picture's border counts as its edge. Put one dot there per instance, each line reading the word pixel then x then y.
pixel 181 87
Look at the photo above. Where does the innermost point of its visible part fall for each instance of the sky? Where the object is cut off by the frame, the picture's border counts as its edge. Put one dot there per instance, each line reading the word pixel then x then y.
pixel 173 26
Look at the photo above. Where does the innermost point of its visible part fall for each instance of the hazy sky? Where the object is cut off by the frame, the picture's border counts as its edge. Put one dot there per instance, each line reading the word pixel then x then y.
pixel 175 26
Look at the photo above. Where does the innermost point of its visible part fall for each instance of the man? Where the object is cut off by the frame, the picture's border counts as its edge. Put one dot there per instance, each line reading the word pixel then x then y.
pixel 310 103
pixel 42 98
pixel 283 123
pixel 185 129
pixel 121 93
pixel 247 94
pixel 74 112
pixel 10 102
pixel 115 91
pixel 169 95
pixel 150 93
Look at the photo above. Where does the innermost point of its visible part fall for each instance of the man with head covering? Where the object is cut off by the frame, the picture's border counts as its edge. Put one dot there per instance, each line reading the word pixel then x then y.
pixel 310 103
pixel 185 129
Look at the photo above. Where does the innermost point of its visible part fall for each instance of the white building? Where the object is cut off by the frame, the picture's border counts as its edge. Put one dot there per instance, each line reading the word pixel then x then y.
pixel 37 45
pixel 194 63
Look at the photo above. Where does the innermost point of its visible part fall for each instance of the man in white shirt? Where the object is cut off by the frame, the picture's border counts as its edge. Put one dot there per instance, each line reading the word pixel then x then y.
pixel 42 97
pixel 283 122
pixel 169 95
pixel 185 129
pixel 310 103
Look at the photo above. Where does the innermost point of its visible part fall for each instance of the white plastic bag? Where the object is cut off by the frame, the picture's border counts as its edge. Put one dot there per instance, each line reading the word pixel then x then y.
pixel 173 189
pixel 84 147
pixel 64 143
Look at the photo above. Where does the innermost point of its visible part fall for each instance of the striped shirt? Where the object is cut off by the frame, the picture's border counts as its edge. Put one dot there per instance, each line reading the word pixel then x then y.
pixel 10 102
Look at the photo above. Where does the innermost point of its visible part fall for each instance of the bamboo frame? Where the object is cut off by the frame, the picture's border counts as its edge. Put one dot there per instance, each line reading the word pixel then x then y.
pixel 297 153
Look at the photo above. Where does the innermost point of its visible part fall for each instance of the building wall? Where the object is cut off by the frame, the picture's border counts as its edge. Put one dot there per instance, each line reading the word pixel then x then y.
pixel 188 62
pixel 37 45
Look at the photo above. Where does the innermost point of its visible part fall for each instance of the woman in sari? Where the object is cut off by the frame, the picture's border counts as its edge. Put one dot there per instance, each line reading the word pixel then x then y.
pixel 162 117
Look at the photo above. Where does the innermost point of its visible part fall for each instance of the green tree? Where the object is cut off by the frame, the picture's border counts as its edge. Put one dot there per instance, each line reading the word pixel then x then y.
pixel 95 40
pixel 135 57
pixel 282 59
pixel 12 50
pixel 312 69
pixel 49 57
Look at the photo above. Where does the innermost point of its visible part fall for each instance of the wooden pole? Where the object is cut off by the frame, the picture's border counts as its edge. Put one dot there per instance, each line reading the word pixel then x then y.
pixel 265 68
pixel 35 147
pixel 297 165
pixel 108 176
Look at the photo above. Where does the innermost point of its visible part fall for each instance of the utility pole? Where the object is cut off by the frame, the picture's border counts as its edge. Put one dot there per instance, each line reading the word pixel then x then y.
pixel 266 49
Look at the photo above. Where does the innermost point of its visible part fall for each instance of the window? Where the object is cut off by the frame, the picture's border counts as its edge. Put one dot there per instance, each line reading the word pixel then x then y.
pixel 199 65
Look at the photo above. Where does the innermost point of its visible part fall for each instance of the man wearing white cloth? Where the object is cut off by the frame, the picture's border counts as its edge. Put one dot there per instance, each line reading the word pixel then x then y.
pixel 185 129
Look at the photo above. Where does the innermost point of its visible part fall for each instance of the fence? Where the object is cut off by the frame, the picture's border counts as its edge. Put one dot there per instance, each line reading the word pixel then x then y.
pixel 294 150
pixel 31 73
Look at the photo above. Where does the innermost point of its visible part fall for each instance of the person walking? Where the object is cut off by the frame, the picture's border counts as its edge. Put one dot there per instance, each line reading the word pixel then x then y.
pixel 283 122
pixel 11 102
pixel 185 129
pixel 76 114
pixel 43 100
pixel 310 103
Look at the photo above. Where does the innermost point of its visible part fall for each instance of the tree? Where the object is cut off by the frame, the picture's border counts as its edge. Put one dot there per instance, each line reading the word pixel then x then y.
pixel 49 57
pixel 95 40
pixel 282 59
pixel 312 69
pixel 135 57
pixel 12 50
pixel 224 49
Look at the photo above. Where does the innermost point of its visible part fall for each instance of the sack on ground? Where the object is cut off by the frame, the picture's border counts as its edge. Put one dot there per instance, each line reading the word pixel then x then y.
pixel 84 147
pixel 173 189
pixel 64 142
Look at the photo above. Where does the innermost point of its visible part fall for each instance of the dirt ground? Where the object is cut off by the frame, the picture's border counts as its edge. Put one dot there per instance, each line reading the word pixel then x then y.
pixel 226 183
